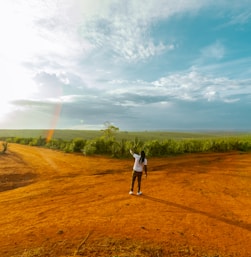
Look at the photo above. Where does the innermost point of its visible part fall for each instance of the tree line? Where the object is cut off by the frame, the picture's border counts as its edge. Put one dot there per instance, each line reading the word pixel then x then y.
pixel 107 144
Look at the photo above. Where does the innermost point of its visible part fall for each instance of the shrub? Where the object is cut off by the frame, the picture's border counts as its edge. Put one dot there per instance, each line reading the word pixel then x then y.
pixel 108 144
pixel 77 145
pixel 89 148
pixel 5 147
pixel 37 141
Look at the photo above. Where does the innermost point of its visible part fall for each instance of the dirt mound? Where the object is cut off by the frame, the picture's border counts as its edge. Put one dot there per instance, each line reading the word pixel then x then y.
pixel 73 205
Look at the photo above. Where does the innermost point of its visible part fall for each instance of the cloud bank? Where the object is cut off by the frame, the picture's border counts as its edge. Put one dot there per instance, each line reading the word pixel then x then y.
pixel 158 65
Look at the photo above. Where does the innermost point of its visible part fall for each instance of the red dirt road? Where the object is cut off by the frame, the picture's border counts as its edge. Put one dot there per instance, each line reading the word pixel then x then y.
pixel 56 204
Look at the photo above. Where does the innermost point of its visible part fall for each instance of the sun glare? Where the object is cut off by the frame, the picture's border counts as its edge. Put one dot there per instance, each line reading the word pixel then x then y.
pixel 16 34
pixel 16 85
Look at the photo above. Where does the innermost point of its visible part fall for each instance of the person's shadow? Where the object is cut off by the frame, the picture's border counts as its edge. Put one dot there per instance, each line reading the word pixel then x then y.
pixel 236 223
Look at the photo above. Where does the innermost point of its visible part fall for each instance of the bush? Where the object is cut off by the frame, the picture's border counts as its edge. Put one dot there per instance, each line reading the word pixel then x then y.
pixel 5 147
pixel 37 141
pixel 89 148
pixel 77 145
pixel 108 145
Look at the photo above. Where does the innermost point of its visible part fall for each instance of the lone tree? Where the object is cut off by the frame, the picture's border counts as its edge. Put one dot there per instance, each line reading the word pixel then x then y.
pixel 109 131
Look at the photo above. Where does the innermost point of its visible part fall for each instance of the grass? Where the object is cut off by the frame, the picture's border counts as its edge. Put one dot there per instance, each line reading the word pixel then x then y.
pixel 141 135
pixel 108 247
pixel 120 248
pixel 103 247
pixel 36 252
pixel 58 134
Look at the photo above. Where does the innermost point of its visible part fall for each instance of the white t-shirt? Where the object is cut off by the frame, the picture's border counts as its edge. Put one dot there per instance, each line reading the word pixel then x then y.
pixel 138 166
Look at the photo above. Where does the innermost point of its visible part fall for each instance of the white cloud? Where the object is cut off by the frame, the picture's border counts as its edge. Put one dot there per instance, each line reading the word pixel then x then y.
pixel 86 54
pixel 191 86
pixel 211 54
pixel 232 100
pixel 241 18
pixel 123 27
pixel 197 86
pixel 124 36
pixel 214 51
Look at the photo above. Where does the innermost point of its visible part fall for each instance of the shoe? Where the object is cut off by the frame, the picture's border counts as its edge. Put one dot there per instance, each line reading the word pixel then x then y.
pixel 139 193
pixel 131 192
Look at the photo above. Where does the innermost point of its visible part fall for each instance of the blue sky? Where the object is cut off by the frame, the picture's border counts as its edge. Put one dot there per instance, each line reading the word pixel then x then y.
pixel 140 65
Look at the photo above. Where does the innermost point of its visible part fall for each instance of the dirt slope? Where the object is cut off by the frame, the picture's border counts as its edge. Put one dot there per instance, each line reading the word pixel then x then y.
pixel 57 204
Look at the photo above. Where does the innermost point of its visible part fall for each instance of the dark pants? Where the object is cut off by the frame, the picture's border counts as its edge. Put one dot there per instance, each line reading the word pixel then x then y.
pixel 138 175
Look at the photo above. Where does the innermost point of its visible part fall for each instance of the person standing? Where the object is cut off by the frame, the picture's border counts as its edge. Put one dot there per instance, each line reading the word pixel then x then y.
pixel 140 163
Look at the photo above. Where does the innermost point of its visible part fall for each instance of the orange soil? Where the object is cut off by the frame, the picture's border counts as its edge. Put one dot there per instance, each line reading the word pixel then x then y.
pixel 57 204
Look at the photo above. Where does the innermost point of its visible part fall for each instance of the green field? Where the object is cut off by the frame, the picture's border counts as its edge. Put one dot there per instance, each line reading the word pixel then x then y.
pixel 142 135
